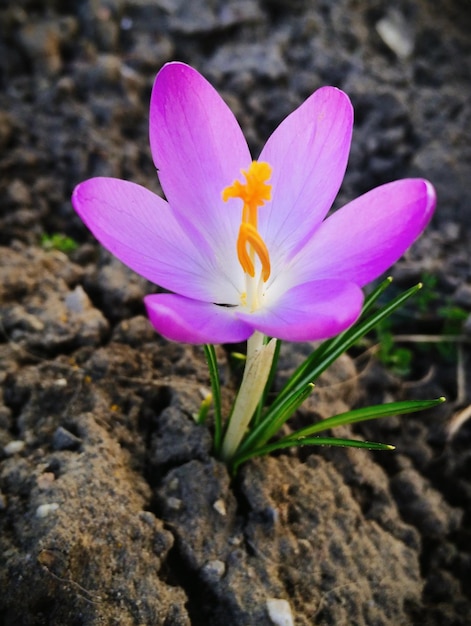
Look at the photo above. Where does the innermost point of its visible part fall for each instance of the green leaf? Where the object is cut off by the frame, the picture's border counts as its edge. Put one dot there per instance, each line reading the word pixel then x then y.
pixel 287 400
pixel 367 413
pixel 307 441
pixel 202 414
pixel 377 292
pixel 211 359
pixel 318 362
pixel 57 241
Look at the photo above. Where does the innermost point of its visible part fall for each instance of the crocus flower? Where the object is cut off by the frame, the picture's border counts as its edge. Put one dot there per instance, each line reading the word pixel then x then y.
pixel 243 245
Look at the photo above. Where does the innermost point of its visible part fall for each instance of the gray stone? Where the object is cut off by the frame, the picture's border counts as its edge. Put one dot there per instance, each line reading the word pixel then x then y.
pixel 63 439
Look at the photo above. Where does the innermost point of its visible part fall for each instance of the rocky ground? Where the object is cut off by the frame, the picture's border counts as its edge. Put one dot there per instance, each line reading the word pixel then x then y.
pixel 112 509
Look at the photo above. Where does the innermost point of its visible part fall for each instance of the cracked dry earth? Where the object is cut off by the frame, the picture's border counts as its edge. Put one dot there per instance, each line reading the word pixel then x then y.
pixel 112 509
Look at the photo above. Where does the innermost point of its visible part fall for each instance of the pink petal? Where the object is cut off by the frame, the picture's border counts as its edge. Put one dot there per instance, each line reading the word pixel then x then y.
pixel 309 154
pixel 363 239
pixel 309 312
pixel 140 229
pixel 191 321
pixel 198 149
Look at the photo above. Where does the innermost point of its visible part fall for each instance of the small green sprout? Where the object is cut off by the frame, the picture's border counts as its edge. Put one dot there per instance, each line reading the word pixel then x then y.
pixel 57 241
pixel 428 305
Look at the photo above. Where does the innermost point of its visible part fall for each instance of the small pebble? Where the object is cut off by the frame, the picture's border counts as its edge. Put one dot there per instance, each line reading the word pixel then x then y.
pixel 235 541
pixel 396 34
pixel 14 447
pixel 220 507
pixel 45 480
pixel 147 517
pixel 174 504
pixel 63 439
pixel 279 612
pixel 77 300
pixel 126 23
pixel 174 484
pixel 215 568
pixel 46 509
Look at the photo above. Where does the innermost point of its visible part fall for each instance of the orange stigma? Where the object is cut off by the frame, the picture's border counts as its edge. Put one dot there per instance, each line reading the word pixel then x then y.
pixel 253 193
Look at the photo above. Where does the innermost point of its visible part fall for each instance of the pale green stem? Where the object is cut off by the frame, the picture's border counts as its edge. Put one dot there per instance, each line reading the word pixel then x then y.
pixel 256 372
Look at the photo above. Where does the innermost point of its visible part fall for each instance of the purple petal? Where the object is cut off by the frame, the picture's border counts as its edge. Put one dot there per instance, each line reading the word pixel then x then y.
pixel 199 149
pixel 363 239
pixel 309 312
pixel 309 154
pixel 140 229
pixel 190 321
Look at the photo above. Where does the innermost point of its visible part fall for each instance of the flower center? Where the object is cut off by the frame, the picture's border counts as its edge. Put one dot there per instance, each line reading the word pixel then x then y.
pixel 253 193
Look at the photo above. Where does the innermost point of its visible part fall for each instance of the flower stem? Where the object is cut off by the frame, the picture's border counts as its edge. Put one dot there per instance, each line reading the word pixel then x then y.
pixel 256 372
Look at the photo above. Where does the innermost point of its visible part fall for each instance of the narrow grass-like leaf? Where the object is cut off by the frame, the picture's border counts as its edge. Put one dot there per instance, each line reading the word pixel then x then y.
pixel 307 441
pixel 329 345
pixel 375 294
pixel 367 413
pixel 313 366
pixel 290 404
pixel 370 300
pixel 317 363
pixel 211 359
pixel 200 418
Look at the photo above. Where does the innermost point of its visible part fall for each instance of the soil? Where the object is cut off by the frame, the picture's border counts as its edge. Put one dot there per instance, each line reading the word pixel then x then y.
pixel 112 507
